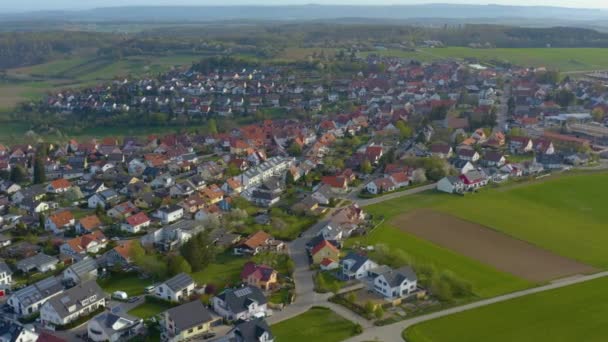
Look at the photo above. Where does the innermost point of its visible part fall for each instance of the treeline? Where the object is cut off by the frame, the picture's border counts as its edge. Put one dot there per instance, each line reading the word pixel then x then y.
pixel 28 48
pixel 519 37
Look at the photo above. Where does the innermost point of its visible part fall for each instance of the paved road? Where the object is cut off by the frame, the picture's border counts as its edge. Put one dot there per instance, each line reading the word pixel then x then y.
pixel 392 332
pixel 364 202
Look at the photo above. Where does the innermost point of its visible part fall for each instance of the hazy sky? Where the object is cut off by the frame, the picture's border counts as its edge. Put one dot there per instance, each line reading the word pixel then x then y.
pixel 28 5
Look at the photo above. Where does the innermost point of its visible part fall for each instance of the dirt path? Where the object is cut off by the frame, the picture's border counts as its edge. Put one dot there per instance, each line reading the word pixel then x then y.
pixel 499 250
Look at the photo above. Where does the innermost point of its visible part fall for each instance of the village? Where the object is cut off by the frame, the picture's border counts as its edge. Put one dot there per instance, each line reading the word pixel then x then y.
pixel 209 236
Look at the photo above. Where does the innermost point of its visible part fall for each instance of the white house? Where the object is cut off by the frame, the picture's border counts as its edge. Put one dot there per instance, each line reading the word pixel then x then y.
pixel 28 300
pixel 170 214
pixel 356 266
pixel 242 303
pixel 135 223
pixel 392 284
pixel 450 185
pixel 113 327
pixel 82 271
pixel 14 332
pixel 176 289
pixel 380 185
pixel 103 199
pixel 78 301
pixel 6 276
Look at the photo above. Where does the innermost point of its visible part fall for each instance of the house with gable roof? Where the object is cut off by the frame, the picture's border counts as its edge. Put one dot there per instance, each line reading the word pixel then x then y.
pixel 242 303
pixel 261 276
pixel 356 266
pixel 176 289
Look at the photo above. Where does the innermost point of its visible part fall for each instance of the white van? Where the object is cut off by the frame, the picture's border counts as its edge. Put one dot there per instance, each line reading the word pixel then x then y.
pixel 149 289
pixel 120 295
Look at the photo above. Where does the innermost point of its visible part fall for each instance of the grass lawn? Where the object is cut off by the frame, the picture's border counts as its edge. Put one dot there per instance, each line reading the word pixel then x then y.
pixel 329 282
pixel 127 282
pixel 573 313
pixel 563 59
pixel 225 271
pixel 150 308
pixel 316 324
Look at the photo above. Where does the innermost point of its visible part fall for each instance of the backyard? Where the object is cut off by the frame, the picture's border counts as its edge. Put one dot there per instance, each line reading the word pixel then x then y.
pixel 150 308
pixel 130 283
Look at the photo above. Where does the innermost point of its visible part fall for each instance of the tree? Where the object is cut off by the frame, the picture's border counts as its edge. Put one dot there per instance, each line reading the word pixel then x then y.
pixel 295 149
pixel 439 113
pixel 74 194
pixel 39 171
pixel 177 265
pixel 405 131
pixel 18 174
pixel 369 308
pixel 379 313
pixel 212 126
pixel 564 97
pixel 199 251
pixel 366 167
pixel 321 283
pixel 598 114
pixel 351 297
pixel 419 176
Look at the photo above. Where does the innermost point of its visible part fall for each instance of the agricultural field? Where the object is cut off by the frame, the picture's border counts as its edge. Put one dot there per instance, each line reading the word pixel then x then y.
pixel 573 313
pixel 562 59
pixel 551 214
pixel 316 324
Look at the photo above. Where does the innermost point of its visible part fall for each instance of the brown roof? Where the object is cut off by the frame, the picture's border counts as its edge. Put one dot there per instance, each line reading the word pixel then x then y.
pixel 60 183
pixel 61 219
pixel 90 222
pixel 256 239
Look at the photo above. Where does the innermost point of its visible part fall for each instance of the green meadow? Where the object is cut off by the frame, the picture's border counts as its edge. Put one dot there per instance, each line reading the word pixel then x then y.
pixel 573 313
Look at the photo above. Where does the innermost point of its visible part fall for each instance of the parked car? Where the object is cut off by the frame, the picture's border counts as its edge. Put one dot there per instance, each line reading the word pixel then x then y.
pixel 120 295
pixel 133 299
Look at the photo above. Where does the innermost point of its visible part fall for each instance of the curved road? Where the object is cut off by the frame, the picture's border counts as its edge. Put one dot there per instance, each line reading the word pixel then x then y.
pixel 392 332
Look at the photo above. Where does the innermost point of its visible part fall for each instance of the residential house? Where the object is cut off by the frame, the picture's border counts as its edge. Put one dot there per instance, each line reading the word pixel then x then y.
pixel 468 154
pixel 82 245
pixel 268 194
pixel 28 300
pixel 58 186
pixel 135 223
pixel 356 266
pixel 373 153
pixel 173 236
pixel 12 331
pixel 258 242
pixel 380 185
pixel 113 327
pixel 451 185
pixel 243 303
pixel 187 322
pixel 335 183
pixel 443 151
pixel 9 187
pixel 462 166
pixel 261 276
pixel 119 255
pixel 393 284
pixel 255 330
pixel 324 250
pixel 35 192
pixel 103 199
pixel 520 145
pixel 78 301
pixel 494 159
pixel 212 194
pixel 474 179
pixel 60 221
pixel 328 264
pixel 81 271
pixel 169 214
pixel 122 210
pixel 6 276
pixel 88 224
pixel 39 262
pixel 176 289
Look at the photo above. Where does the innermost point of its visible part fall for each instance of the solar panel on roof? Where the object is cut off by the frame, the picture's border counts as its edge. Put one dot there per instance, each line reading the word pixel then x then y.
pixel 242 292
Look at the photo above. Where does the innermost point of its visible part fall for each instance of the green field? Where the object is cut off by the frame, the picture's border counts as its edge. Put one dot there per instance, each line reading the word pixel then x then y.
pixel 127 282
pixel 573 313
pixel 316 324
pixel 564 215
pixel 563 59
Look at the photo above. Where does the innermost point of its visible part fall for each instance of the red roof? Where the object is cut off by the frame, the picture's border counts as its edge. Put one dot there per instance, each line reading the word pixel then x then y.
pixel 335 181
pixel 60 184
pixel 322 245
pixel 327 261
pixel 137 219
pixel 259 272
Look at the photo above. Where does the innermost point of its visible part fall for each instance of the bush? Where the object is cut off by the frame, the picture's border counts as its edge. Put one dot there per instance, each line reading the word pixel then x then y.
pixel 358 329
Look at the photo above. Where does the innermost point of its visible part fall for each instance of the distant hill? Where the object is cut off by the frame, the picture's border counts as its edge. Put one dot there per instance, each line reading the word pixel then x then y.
pixel 312 12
